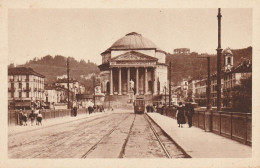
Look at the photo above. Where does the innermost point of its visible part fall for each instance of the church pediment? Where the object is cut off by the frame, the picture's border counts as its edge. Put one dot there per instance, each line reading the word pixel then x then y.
pixel 133 56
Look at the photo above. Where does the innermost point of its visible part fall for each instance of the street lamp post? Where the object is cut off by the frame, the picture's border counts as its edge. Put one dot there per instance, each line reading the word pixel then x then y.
pixel 68 82
pixel 219 50
pixel 208 92
pixel 170 84
pixel 94 83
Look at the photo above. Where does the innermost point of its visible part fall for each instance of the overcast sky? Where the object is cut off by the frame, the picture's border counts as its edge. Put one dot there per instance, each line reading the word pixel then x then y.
pixel 85 33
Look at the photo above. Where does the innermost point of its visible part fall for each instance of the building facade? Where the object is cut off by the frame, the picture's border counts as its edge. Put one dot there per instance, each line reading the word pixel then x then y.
pixel 25 87
pixel 184 51
pixel 133 62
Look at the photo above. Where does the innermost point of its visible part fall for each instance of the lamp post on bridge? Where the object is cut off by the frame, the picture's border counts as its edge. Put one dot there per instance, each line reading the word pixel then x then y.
pixel 219 50
pixel 208 92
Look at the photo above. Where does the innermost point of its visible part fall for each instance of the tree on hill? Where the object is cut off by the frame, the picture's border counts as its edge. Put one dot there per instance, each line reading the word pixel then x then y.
pixel 51 67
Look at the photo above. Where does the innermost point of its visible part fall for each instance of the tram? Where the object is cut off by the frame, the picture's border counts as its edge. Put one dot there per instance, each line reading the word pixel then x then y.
pixel 139 105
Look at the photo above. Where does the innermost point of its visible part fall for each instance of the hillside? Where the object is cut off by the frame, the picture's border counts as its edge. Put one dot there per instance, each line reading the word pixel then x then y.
pixel 51 67
pixel 190 66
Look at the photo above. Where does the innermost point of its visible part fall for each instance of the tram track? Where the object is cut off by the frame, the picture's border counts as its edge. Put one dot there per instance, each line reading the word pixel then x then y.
pixel 158 138
pixel 167 139
pixel 122 152
pixel 103 137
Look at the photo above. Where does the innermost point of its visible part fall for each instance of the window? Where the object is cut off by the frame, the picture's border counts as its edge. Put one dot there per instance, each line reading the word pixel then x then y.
pixel 12 94
pixel 27 94
pixel 229 60
pixel 20 94
pixel 20 85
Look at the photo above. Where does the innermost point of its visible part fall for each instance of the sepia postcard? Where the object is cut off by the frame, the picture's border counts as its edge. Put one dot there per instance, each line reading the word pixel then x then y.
pixel 130 83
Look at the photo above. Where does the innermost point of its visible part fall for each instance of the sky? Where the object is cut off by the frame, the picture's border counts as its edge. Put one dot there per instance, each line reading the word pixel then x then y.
pixel 85 33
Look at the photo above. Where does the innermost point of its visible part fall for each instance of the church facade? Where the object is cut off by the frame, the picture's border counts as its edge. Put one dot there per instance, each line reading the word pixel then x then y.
pixel 133 63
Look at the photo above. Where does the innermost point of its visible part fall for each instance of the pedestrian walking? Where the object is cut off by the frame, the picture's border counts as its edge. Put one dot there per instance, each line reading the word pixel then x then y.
pixel 20 117
pixel 159 109
pixel 148 108
pixel 32 117
pixel 180 115
pixel 24 119
pixel 36 112
pixel 39 118
pixel 189 112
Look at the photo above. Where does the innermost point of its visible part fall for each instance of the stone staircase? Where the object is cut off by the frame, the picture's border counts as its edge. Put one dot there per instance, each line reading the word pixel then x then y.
pixel 123 101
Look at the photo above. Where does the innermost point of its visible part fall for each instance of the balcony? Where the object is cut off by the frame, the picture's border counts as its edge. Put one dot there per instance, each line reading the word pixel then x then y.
pixel 11 89
pixel 27 89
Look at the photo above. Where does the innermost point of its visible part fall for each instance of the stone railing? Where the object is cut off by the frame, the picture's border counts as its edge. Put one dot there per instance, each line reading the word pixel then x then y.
pixel 13 115
pixel 233 125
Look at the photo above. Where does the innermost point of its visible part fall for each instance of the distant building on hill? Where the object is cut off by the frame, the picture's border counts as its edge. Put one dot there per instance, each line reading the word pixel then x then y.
pixel 61 76
pixel 184 51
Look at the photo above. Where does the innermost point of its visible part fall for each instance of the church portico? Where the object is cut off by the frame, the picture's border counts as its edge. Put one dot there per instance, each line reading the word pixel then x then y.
pixel 120 78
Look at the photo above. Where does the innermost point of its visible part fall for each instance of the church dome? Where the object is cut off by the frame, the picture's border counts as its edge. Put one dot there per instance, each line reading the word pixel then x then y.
pixel 133 41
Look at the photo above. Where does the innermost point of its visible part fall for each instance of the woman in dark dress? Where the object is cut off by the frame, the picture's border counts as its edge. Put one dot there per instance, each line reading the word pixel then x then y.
pixel 180 115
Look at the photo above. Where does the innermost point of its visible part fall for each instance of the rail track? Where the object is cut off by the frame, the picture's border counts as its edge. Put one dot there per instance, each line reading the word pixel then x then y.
pixel 105 136
pixel 168 145
pixel 173 150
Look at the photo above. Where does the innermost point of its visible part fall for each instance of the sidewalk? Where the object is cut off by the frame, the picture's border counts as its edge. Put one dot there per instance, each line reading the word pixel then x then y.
pixel 12 130
pixel 200 144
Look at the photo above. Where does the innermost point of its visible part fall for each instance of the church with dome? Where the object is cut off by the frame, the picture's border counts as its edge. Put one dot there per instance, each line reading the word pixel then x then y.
pixel 133 62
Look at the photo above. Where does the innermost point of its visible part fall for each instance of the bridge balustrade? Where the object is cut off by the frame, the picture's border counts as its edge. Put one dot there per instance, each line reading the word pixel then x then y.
pixel 13 115
pixel 233 125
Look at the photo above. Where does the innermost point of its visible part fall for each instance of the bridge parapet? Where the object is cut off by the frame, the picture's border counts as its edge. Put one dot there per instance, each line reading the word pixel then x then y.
pixel 233 125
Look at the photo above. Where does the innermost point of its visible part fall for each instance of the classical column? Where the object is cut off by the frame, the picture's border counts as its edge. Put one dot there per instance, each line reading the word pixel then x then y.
pixel 145 81
pixel 137 81
pixel 154 81
pixel 128 80
pixel 111 81
pixel 119 82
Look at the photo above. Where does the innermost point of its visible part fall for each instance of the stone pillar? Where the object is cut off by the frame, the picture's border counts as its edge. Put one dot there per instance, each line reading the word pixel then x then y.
pixel 111 81
pixel 145 81
pixel 119 82
pixel 155 82
pixel 128 80
pixel 208 120
pixel 137 81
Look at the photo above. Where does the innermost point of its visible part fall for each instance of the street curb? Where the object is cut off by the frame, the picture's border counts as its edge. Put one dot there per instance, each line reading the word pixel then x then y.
pixel 39 128
pixel 178 146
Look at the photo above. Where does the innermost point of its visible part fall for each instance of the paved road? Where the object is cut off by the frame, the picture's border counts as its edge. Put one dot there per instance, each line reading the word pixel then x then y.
pixel 117 135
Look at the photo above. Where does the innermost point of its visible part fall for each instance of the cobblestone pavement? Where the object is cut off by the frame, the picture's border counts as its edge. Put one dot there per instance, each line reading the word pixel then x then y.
pixel 117 135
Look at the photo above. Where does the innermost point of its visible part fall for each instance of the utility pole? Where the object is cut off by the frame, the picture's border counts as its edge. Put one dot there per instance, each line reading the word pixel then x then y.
pixel 208 86
pixel 165 95
pixel 68 81
pixel 219 50
pixel 94 83
pixel 170 84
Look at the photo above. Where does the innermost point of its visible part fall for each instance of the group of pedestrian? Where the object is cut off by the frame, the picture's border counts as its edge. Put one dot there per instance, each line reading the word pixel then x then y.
pixel 98 108
pixel 150 108
pixel 187 110
pixel 34 115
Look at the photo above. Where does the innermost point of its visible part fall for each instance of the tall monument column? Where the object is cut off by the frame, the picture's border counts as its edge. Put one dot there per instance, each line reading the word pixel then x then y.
pixel 111 81
pixel 154 81
pixel 128 80
pixel 145 81
pixel 137 81
pixel 119 82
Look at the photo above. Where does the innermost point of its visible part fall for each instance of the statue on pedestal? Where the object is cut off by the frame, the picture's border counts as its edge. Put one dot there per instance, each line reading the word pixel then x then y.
pixel 132 84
